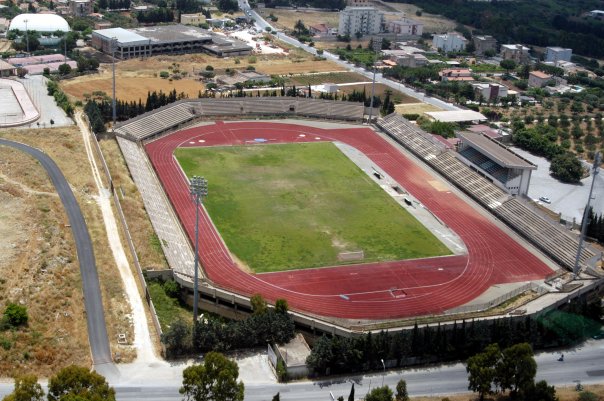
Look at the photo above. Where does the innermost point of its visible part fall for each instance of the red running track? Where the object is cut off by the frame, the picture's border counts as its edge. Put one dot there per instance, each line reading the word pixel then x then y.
pixel 367 291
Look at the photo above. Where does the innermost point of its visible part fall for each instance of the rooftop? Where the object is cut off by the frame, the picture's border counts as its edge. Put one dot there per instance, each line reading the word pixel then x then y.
pixel 540 74
pixel 172 33
pixel 496 151
pixel 456 116
pixel 122 35
pixel 557 48
pixel 295 352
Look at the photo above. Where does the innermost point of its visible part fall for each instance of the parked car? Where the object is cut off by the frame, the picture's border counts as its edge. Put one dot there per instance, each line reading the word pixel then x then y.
pixel 545 199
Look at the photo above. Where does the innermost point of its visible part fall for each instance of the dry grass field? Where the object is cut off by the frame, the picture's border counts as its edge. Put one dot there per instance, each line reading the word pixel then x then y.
pixel 415 108
pixel 286 19
pixel 136 77
pixel 44 272
pixel 432 23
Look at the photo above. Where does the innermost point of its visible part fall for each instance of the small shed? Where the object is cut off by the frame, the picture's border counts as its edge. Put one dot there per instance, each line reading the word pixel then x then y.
pixel 293 355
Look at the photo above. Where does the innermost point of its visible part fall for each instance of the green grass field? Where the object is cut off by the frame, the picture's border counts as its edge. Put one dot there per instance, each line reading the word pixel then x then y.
pixel 294 206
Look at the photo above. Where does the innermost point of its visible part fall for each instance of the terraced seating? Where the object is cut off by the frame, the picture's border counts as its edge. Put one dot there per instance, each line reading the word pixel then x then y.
pixel 265 106
pixel 156 121
pixel 316 108
pixel 548 236
pixel 220 107
pixel 348 110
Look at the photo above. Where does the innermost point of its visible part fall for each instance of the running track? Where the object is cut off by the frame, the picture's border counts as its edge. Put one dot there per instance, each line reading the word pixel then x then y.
pixel 373 291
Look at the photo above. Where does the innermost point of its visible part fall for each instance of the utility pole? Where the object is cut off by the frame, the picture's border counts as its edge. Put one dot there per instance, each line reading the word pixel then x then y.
pixel 198 189
pixel 595 170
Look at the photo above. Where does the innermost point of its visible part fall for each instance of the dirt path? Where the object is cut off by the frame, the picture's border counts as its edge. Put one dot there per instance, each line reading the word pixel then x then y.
pixel 142 339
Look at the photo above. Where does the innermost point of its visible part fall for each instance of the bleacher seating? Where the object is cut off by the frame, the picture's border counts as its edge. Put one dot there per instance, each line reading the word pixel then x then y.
pixel 547 235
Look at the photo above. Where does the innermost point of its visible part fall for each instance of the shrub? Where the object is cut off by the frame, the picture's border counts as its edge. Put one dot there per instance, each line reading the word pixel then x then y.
pixel 164 74
pixel 252 60
pixel 171 288
pixel 209 68
pixel 15 315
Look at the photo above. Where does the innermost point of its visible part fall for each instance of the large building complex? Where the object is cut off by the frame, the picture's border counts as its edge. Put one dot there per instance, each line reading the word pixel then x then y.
pixel 361 20
pixel 556 54
pixel 449 42
pixel 166 39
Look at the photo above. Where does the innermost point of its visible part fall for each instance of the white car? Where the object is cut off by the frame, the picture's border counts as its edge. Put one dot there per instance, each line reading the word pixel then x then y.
pixel 545 199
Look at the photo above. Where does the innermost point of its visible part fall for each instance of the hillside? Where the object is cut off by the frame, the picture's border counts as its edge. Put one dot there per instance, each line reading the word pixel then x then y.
pixel 535 22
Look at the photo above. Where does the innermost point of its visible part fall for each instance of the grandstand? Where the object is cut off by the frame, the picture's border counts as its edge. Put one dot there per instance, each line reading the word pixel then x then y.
pixel 496 162
pixel 175 115
pixel 547 235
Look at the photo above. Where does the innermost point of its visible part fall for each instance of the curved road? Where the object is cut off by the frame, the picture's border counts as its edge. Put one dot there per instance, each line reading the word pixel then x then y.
pixel 95 317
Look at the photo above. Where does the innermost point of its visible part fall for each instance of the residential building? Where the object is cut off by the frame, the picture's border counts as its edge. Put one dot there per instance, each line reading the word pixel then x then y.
pixel 405 58
pixel 405 26
pixel 456 74
pixel 538 79
pixel 192 19
pixel 555 54
pixel 518 53
pixel 81 8
pixel 484 43
pixel 490 91
pixel 3 25
pixel 449 42
pixel 363 20
pixel 322 30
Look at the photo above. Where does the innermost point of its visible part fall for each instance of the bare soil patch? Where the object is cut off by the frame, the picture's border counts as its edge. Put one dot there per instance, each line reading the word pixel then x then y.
pixel 286 19
pixel 432 23
pixel 563 393
pixel 380 90
pixel 415 108
pixel 45 273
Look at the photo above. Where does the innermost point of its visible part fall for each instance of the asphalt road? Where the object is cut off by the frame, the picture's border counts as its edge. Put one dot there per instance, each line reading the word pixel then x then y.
pixel 95 318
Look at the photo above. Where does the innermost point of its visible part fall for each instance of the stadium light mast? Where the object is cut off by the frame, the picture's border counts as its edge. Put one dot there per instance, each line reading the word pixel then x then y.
pixel 375 48
pixel 596 170
pixel 198 189
pixel 26 35
pixel 113 46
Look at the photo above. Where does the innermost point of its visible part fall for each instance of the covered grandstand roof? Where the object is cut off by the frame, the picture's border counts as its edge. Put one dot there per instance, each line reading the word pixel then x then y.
pixel 495 150
pixel 456 116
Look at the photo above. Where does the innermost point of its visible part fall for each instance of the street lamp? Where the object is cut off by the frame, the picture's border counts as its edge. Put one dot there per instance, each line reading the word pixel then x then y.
pixel 384 373
pixel 198 189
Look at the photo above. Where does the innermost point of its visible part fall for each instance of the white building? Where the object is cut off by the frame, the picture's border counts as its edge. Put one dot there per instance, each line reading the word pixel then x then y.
pixel 490 91
pixel 364 20
pixel 555 54
pixel 449 42
pixel 518 53
pixel 406 26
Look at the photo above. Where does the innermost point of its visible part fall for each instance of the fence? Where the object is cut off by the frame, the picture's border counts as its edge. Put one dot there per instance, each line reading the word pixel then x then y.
pixel 497 301
pixel 126 231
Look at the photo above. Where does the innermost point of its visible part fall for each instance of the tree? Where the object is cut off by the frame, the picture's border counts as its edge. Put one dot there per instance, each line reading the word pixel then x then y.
pixel 215 380
pixel 482 370
pixel 401 391
pixel 507 64
pixel 64 69
pixel 351 395
pixel 258 304
pixel 277 397
pixel 27 388
pixel 22 72
pixel 79 383
pixel 541 391
pixel 380 394
pixel 566 167
pixel 15 315
pixel 177 338
pixel 300 27
pixel 321 356
pixel 281 306
pixel 517 368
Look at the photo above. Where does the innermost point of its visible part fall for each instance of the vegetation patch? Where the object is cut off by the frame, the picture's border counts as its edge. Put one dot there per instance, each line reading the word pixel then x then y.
pixel 292 206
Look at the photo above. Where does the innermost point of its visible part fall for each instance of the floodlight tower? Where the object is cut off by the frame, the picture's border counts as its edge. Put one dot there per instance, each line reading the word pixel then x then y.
pixel 376 46
pixel 199 189
pixel 113 46
pixel 26 35
pixel 595 170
